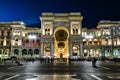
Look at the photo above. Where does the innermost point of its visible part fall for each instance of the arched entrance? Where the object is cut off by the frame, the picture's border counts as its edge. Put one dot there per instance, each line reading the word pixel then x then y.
pixel 36 53
pixel 24 53
pixel 61 44
pixel 30 52
pixel 75 50
pixel 47 51
pixel 16 52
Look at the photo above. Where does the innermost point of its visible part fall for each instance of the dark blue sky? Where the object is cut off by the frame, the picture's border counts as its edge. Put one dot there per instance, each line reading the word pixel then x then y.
pixel 29 10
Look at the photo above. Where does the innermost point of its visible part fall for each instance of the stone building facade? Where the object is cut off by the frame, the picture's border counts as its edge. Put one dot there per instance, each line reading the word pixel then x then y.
pixel 60 35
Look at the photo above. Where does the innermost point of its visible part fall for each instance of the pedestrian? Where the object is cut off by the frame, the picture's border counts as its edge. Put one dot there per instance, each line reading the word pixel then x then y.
pixel 94 60
pixel 41 60
pixel 51 60
pixel 69 59
pixel 48 60
pixel 18 62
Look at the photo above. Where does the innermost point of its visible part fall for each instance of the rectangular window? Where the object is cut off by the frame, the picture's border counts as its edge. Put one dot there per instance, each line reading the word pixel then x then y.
pixel 1 43
pixel 7 42
pixel 8 33
pixel 114 32
pixel 2 37
pixel 2 32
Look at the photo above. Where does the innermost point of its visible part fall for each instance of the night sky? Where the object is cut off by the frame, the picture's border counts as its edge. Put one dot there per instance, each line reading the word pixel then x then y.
pixel 29 11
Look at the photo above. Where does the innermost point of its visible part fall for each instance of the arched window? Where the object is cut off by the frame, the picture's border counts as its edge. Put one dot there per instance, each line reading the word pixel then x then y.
pixel 30 51
pixel 16 39
pixel 115 42
pixel 106 41
pixel 24 51
pixel 73 31
pixel 45 30
pixel 36 51
pixel 16 51
pixel 75 50
pixel 76 31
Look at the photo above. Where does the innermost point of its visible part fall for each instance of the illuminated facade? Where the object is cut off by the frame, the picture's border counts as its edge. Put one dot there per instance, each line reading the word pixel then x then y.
pixel 31 43
pixel 110 38
pixel 91 42
pixel 10 38
pixel 18 40
pixel 5 40
pixel 61 34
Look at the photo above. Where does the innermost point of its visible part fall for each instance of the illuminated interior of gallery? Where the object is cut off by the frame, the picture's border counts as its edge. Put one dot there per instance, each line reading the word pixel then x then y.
pixel 60 34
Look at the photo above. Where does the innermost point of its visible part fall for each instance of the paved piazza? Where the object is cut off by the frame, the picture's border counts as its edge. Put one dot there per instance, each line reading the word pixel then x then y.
pixel 82 70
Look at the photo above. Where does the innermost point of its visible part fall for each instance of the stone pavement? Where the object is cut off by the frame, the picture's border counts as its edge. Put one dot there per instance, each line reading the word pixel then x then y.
pixel 82 70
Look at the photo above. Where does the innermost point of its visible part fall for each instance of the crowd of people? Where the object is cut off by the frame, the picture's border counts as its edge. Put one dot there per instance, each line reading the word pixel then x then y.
pixel 46 60
pixel 52 60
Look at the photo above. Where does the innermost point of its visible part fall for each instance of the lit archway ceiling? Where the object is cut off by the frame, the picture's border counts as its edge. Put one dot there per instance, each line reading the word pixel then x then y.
pixel 61 35
pixel 61 44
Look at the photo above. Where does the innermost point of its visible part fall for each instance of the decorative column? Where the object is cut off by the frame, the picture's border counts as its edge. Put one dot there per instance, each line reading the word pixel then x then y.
pixel 70 50
pixel 12 52
pixel 42 50
pixel 20 54
pixel 81 50
pixel 52 49
pixel 112 45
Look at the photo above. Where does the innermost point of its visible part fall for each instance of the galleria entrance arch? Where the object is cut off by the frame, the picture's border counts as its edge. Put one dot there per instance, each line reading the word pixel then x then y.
pixel 61 42
pixel 62 33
